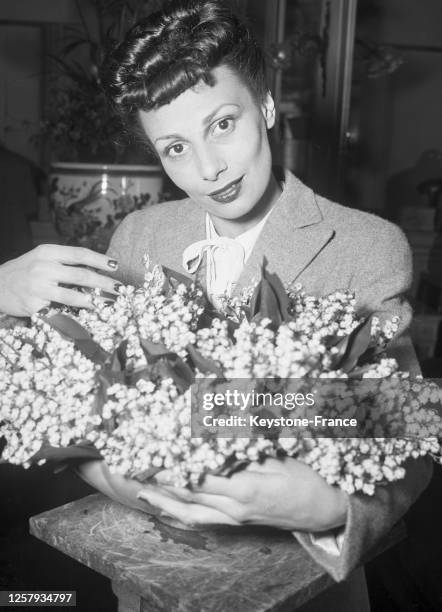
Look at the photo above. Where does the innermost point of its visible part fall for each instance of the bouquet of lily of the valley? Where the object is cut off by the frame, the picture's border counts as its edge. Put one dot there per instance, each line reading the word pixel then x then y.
pixel 116 382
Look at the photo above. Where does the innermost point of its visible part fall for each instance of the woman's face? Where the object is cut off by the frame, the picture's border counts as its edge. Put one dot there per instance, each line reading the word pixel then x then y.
pixel 212 142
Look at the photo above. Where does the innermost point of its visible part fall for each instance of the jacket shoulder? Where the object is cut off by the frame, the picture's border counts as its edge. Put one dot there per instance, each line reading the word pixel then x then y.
pixel 361 226
pixel 159 212
pixel 140 224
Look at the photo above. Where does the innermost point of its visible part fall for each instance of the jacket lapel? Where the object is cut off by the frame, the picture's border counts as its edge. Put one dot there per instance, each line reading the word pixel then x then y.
pixel 292 237
pixel 294 234
pixel 187 226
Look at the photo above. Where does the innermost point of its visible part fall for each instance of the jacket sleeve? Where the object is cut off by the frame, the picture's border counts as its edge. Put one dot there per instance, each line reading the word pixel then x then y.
pixel 370 519
pixel 384 274
pixel 128 245
pixel 382 281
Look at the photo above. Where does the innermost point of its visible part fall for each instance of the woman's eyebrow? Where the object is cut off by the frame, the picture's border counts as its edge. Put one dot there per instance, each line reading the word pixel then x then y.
pixel 206 121
pixel 213 114
pixel 167 137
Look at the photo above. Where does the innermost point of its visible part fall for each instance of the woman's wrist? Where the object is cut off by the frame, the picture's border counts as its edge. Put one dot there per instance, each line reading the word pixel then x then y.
pixel 332 511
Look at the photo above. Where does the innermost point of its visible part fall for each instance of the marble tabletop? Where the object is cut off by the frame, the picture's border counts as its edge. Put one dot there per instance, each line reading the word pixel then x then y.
pixel 212 570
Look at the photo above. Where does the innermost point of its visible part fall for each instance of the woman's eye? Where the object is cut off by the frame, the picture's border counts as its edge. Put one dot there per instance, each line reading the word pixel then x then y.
pixel 224 126
pixel 176 150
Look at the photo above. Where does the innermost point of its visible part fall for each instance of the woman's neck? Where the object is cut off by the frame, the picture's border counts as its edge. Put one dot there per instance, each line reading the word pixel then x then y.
pixel 234 227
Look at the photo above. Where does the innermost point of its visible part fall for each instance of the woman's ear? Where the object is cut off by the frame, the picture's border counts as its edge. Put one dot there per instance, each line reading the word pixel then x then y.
pixel 268 110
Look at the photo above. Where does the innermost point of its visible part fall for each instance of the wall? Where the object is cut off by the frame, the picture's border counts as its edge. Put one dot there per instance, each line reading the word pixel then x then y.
pixel 399 115
pixel 38 11
pixel 20 87
pixel 416 89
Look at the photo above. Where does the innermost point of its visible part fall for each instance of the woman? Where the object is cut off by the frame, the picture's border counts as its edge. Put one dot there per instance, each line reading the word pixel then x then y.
pixel 192 79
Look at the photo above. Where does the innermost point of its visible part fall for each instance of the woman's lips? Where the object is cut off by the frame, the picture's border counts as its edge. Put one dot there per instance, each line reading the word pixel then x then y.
pixel 228 193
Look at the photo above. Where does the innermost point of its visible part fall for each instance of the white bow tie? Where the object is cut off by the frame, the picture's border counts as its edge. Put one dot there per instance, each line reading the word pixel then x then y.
pixel 225 261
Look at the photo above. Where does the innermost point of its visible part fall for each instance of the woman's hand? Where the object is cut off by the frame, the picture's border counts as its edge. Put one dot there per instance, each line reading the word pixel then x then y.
pixel 39 277
pixel 282 493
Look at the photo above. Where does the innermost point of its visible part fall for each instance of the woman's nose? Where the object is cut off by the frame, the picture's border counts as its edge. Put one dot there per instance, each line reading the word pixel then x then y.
pixel 211 164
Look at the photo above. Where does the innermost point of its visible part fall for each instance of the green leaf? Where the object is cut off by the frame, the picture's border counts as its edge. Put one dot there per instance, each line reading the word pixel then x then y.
pixel 281 294
pixel 230 467
pixel 83 341
pixel 207 317
pixel 359 371
pixel 370 355
pixel 105 380
pixel 354 345
pixel 68 327
pixel 204 365
pixel 270 299
pixel 111 377
pixel 144 373
pixel 264 303
pixel 154 351
pixel 36 352
pixel 179 375
pixel 83 451
pixel 183 373
pixel 92 350
pixel 209 314
pixel 274 385
pixel 341 347
pixel 176 277
pixel 118 359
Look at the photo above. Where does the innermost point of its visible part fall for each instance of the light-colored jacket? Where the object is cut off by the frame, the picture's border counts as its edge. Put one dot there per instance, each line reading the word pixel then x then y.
pixel 325 247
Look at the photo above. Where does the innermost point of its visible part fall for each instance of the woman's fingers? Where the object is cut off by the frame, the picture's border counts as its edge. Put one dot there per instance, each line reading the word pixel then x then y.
pixel 75 256
pixel 83 277
pixel 73 298
pixel 31 281
pixel 240 485
pixel 189 514
pixel 70 297
pixel 227 505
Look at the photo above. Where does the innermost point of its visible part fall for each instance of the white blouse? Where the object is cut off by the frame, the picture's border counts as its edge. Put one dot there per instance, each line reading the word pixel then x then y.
pixel 226 258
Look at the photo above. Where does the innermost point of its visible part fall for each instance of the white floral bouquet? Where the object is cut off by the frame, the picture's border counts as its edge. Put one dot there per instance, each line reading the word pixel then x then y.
pixel 115 382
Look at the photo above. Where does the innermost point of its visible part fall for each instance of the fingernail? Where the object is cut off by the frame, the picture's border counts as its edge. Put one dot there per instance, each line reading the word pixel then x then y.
pixel 163 514
pixel 113 264
pixel 43 311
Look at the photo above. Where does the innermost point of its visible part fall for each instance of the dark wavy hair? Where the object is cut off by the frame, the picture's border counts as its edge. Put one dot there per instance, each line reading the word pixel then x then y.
pixel 172 50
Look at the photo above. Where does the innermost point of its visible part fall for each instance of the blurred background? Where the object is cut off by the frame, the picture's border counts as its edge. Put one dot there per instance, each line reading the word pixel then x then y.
pixel 358 90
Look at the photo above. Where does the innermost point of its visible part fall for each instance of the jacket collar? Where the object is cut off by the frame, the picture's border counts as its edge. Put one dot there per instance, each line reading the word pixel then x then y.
pixel 292 237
